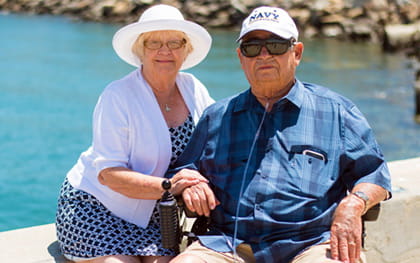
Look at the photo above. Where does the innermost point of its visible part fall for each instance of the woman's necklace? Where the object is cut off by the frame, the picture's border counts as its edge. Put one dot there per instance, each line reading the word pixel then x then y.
pixel 167 108
pixel 171 98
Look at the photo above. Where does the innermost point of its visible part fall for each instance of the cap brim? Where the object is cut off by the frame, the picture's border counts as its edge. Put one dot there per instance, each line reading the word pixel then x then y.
pixel 285 35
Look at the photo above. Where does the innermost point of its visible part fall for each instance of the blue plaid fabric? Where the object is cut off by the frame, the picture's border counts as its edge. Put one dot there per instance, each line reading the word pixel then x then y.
pixel 312 148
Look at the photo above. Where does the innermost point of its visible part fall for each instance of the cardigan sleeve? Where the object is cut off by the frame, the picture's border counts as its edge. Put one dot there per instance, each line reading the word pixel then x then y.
pixel 110 132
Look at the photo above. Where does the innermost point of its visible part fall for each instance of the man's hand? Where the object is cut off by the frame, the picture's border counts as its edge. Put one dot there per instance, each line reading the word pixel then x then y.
pixel 346 230
pixel 199 198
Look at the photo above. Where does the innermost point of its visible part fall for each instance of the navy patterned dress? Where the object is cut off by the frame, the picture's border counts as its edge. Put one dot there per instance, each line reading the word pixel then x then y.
pixel 87 229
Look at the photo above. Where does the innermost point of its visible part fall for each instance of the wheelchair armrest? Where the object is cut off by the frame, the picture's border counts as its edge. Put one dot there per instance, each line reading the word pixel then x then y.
pixel 372 214
pixel 188 213
pixel 199 227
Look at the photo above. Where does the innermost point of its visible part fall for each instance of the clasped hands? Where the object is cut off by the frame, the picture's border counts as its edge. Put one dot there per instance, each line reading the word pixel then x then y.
pixel 196 192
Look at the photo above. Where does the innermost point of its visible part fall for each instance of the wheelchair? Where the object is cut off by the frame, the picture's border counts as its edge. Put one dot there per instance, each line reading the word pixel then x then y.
pixel 177 233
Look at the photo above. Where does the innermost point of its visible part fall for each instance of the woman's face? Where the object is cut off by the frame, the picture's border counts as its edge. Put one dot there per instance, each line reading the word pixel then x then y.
pixel 164 51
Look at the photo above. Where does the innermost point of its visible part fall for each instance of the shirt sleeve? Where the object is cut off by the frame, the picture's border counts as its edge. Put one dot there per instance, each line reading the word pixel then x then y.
pixel 363 161
pixel 110 132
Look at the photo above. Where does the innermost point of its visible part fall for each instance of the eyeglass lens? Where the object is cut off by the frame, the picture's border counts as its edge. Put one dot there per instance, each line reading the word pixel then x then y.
pixel 253 48
pixel 172 44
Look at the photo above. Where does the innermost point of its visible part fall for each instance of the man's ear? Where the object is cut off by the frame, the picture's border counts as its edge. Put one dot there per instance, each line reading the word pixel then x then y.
pixel 298 50
pixel 239 54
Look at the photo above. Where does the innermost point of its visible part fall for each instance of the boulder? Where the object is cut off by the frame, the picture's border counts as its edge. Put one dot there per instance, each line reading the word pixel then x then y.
pixel 401 36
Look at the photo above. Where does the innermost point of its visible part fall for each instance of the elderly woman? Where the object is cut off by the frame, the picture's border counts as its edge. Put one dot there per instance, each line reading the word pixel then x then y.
pixel 107 208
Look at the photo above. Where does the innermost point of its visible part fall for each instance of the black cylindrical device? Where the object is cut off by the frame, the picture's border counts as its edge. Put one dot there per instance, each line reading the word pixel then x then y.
pixel 169 218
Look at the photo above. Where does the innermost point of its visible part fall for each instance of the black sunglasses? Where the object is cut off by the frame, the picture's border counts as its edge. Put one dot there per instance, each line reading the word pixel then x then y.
pixel 274 46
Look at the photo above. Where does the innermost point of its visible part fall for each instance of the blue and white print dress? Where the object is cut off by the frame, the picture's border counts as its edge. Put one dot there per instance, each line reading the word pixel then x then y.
pixel 87 229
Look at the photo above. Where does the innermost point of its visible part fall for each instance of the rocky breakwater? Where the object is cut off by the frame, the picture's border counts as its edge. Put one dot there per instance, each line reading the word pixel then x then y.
pixel 346 19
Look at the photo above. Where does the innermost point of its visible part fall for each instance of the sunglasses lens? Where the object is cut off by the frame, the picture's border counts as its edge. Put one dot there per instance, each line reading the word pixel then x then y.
pixel 251 49
pixel 277 48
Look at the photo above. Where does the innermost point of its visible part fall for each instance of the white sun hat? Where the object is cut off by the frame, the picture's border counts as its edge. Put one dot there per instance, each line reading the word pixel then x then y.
pixel 162 17
pixel 272 19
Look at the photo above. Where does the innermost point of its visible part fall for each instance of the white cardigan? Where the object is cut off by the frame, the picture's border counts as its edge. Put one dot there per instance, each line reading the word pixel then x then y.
pixel 129 131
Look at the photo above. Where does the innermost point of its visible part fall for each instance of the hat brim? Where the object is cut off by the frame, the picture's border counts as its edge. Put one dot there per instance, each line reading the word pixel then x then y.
pixel 124 39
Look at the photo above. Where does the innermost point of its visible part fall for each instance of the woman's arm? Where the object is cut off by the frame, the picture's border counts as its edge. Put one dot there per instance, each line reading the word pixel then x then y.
pixel 141 186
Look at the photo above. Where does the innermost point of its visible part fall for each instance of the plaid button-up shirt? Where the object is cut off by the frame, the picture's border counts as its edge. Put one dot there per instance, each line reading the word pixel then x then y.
pixel 312 148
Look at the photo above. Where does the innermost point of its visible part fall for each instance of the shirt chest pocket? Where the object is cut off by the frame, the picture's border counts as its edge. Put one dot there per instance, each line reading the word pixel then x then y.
pixel 311 172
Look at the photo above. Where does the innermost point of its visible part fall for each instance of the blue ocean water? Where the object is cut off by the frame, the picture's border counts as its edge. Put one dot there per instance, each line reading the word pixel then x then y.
pixel 53 70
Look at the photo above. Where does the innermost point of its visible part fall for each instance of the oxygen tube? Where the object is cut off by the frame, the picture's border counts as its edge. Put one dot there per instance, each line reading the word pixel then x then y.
pixel 235 232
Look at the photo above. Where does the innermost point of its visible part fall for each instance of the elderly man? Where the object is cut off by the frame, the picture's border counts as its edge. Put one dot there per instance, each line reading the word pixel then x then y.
pixel 292 166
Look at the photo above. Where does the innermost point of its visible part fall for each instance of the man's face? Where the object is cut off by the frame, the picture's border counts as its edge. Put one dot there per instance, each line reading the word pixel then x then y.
pixel 270 76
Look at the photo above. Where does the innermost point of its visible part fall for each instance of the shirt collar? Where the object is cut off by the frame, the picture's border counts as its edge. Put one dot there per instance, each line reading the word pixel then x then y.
pixel 246 100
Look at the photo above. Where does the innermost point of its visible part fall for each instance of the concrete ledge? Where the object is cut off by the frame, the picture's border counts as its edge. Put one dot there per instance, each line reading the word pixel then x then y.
pixel 393 238
pixel 30 245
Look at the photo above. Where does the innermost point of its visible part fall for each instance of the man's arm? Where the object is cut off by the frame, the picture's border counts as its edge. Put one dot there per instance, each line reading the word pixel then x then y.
pixel 199 199
pixel 364 171
pixel 346 228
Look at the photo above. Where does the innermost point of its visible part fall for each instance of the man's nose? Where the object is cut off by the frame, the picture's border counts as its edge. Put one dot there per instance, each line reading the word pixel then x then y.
pixel 264 51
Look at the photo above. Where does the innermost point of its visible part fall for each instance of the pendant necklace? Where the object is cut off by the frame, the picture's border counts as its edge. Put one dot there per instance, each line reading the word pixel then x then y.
pixel 167 108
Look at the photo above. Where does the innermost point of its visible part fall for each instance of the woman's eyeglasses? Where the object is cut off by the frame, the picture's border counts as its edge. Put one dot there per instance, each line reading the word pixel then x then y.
pixel 172 44
pixel 274 46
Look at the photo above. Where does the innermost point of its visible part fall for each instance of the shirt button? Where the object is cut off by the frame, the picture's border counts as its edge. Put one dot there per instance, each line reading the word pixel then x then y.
pixel 264 176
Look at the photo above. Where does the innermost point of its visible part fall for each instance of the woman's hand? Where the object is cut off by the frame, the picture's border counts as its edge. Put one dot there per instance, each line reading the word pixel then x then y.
pixel 185 178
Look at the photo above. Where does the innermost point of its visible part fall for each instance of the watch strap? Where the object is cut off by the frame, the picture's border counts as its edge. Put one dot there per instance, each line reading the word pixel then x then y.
pixel 364 197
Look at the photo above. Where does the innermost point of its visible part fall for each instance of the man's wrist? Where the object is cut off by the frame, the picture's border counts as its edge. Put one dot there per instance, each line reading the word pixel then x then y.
pixel 363 197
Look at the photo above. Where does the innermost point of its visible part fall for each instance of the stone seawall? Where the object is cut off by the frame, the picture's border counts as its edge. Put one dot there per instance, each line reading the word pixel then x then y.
pixel 346 19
